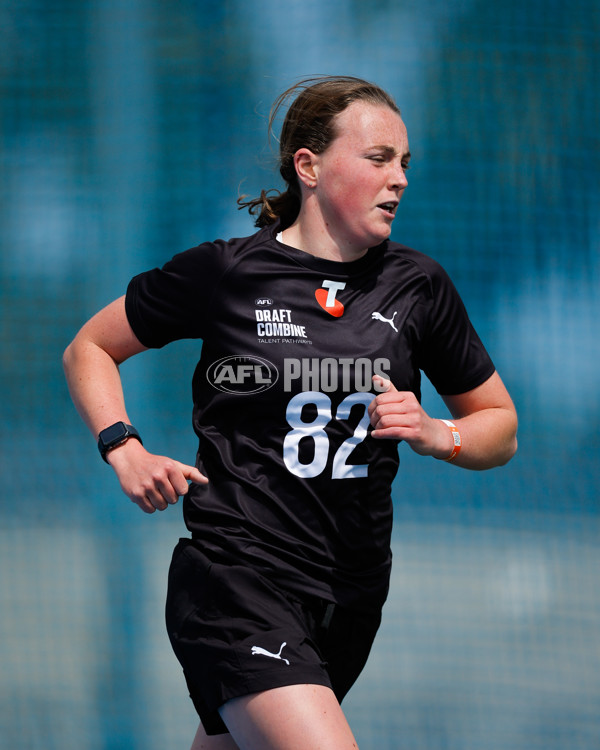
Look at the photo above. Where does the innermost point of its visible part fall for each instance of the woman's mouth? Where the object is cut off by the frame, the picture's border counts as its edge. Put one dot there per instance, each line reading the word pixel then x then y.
pixel 389 208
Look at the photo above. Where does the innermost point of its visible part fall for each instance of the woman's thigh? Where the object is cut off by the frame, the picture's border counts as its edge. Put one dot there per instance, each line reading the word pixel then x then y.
pixel 294 717
pixel 214 742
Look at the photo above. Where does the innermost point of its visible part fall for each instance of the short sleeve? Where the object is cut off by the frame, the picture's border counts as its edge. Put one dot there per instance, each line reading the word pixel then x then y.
pixel 452 355
pixel 173 302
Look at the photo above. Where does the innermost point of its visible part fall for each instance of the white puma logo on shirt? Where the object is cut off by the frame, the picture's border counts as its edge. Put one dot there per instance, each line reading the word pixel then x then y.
pixel 379 316
pixel 257 650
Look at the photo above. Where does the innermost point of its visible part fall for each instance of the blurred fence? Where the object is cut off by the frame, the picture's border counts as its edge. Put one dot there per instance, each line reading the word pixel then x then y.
pixel 127 131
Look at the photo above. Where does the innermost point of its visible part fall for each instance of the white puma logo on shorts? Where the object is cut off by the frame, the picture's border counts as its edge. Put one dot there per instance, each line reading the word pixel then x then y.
pixel 379 316
pixel 257 650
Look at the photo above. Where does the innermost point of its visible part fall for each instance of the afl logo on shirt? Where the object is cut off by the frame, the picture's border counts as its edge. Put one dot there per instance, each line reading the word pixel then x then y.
pixel 242 375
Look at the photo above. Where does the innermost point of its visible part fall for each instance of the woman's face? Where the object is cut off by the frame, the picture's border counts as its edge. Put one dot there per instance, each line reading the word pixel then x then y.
pixel 361 176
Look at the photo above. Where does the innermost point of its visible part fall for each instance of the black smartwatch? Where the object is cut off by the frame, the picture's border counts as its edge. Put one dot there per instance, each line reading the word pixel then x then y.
pixel 115 435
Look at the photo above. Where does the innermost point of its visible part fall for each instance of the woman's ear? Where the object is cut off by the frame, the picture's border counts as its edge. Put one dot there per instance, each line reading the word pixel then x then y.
pixel 304 162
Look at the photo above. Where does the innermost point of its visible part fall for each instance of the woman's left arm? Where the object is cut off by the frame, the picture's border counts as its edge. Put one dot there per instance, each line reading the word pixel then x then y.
pixel 485 418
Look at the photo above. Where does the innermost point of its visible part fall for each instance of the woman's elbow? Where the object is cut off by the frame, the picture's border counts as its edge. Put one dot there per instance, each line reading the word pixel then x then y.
pixel 67 357
pixel 510 451
pixel 511 442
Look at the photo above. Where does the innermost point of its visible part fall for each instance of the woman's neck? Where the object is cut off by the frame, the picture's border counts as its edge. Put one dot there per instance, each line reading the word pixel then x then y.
pixel 318 243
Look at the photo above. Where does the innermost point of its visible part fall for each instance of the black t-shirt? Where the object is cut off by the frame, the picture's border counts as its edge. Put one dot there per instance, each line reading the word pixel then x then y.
pixel 298 488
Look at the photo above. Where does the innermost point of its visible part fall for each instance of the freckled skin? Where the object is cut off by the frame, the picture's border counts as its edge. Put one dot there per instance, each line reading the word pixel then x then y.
pixel 362 169
pixel 351 191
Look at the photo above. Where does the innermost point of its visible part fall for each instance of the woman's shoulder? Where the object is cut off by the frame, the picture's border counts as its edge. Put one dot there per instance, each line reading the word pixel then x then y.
pixel 217 254
pixel 397 253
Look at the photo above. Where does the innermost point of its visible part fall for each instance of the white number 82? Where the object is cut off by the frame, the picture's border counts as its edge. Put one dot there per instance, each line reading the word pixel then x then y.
pixel 315 430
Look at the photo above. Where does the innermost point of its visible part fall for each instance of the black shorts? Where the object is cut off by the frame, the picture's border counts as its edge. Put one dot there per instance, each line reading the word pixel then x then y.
pixel 235 633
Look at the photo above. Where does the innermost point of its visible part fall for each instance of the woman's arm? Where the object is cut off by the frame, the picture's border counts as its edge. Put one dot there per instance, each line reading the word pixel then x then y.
pixel 485 417
pixel 91 363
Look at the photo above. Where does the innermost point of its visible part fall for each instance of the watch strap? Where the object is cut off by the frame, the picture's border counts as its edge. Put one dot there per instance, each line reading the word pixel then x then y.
pixel 114 435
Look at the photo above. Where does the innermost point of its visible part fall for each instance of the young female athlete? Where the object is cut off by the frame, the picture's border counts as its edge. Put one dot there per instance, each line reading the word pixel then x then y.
pixel 315 330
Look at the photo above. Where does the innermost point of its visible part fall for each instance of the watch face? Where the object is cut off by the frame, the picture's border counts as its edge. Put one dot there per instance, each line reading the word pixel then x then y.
pixel 113 434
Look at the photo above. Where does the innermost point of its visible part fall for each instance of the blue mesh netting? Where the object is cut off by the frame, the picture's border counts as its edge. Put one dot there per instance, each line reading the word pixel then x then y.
pixel 127 131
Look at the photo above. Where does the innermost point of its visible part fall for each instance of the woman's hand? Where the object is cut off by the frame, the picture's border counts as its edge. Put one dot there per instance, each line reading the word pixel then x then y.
pixel 152 482
pixel 485 418
pixel 398 415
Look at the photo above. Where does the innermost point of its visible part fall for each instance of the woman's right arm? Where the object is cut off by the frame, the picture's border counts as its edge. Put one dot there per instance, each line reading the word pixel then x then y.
pixel 91 363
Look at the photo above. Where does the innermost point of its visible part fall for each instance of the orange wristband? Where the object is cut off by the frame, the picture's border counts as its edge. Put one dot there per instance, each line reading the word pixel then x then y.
pixel 455 437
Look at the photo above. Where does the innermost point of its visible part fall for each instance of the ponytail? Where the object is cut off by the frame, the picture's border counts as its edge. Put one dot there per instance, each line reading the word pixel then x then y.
pixel 272 205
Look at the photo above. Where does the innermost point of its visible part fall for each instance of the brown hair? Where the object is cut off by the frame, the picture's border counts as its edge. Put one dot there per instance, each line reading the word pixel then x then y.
pixel 309 123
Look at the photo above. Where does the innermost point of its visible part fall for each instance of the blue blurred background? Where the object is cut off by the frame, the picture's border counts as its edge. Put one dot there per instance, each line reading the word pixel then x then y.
pixel 128 129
